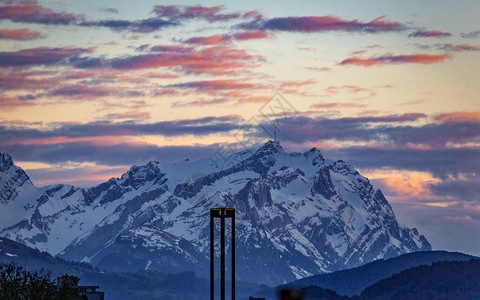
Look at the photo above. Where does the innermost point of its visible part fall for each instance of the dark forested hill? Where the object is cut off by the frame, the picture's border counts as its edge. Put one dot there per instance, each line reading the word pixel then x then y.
pixel 353 281
pixel 459 280
pixel 441 280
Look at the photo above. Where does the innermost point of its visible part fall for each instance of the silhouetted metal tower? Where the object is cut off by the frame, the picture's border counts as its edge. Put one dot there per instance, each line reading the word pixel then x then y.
pixel 221 213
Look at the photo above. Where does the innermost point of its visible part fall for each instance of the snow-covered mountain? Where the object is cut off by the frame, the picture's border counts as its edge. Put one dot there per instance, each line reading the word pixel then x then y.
pixel 298 214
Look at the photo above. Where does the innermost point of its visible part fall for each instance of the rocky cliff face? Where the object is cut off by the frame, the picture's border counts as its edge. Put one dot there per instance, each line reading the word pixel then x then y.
pixel 297 214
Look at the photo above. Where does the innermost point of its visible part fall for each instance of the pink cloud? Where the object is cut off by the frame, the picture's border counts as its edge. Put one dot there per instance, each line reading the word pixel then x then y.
pixel 23 34
pixel 252 14
pixel 459 116
pixel 250 35
pixel 396 59
pixel 217 60
pixel 209 40
pixel 28 11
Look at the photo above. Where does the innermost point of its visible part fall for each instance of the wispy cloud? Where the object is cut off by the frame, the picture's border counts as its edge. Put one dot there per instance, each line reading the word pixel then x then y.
pixel 471 35
pixel 417 58
pixel 430 34
pixel 451 47
pixel 188 12
pixel 323 24
pixel 138 26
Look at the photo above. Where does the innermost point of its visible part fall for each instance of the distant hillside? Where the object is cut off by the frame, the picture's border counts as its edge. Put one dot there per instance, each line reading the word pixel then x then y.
pixel 353 281
pixel 441 280
pixel 459 280
pixel 118 286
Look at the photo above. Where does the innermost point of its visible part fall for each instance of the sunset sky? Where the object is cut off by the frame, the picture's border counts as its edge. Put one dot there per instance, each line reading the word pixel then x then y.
pixel 89 88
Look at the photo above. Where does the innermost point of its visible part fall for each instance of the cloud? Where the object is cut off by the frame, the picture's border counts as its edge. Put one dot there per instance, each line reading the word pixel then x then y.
pixel 139 26
pixel 417 58
pixel 23 34
pixel 168 48
pixel 201 127
pixel 459 116
pixel 430 33
pixel 130 115
pixel 22 81
pixel 213 87
pixel 336 104
pixel 451 47
pixel 188 12
pixel 471 35
pixel 105 154
pixel 321 69
pixel 250 35
pixel 209 40
pixel 86 92
pixel 441 163
pixel 28 11
pixel 466 190
pixel 323 24
pixel 110 10
pixel 12 102
pixel 203 102
pixel 216 60
pixel 88 175
pixel 225 38
pixel 39 56
pixel 384 130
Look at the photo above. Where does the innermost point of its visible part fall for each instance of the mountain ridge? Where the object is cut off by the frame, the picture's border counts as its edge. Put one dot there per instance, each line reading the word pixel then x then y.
pixel 298 214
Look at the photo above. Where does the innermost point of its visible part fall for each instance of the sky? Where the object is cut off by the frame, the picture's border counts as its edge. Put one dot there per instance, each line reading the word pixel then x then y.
pixel 89 88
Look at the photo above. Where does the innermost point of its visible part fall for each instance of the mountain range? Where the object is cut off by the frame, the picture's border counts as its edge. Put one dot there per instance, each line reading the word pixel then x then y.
pixel 297 215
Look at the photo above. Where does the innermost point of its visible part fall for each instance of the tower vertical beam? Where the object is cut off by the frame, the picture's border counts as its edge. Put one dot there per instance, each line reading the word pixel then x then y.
pixel 222 254
pixel 221 213
pixel 212 256
pixel 233 255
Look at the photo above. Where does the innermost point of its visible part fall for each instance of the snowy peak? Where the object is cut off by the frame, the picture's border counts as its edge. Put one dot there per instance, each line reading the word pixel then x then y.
pixel 5 161
pixel 139 175
pixel 270 147
pixel 12 178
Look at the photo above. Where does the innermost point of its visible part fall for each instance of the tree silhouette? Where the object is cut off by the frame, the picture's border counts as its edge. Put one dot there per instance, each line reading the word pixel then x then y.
pixel 17 283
